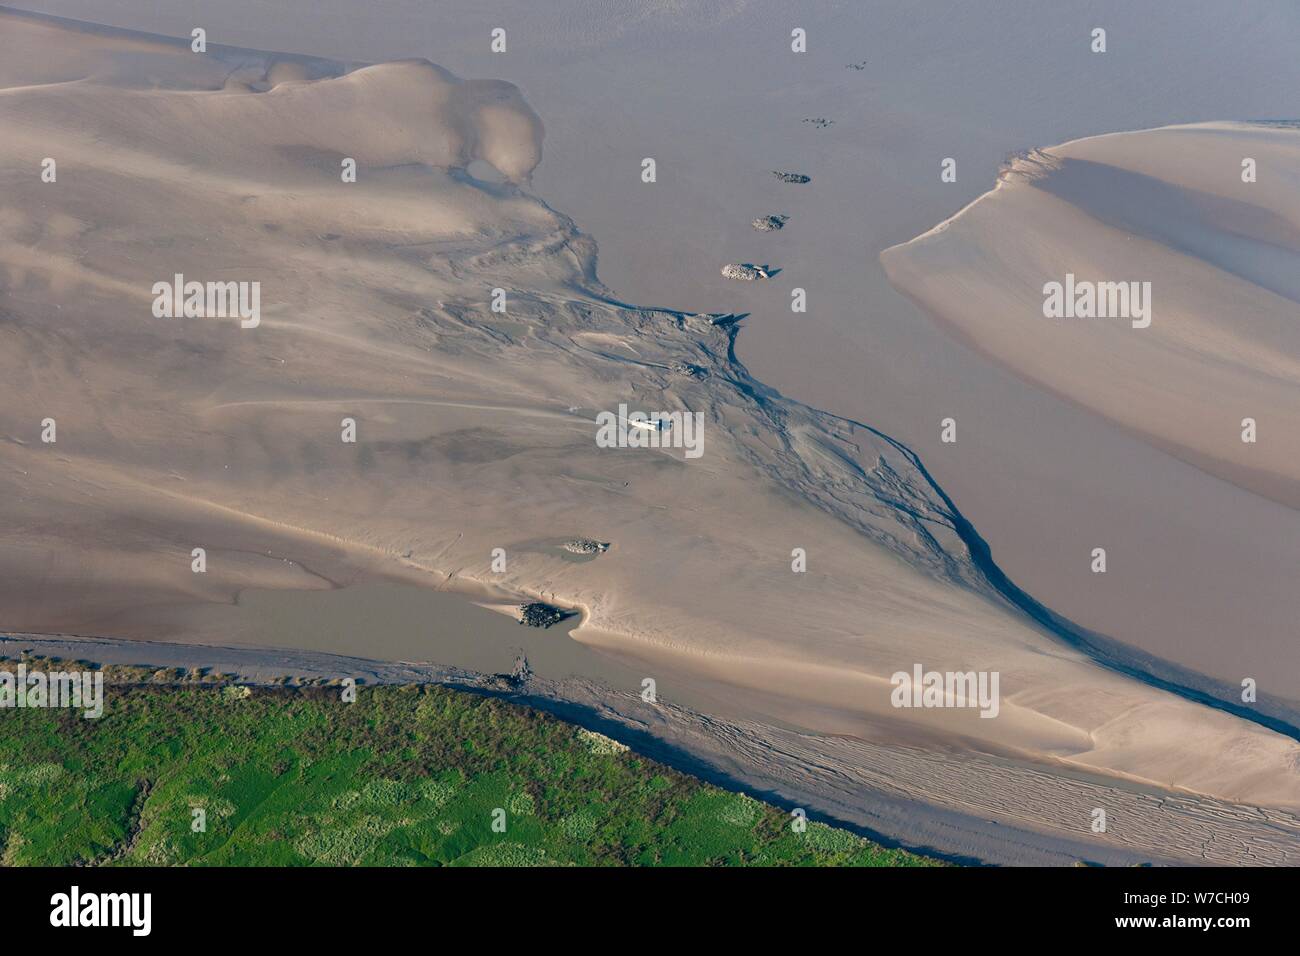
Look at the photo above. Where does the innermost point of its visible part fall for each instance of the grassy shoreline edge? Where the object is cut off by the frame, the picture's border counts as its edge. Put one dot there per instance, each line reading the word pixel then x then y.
pixel 191 768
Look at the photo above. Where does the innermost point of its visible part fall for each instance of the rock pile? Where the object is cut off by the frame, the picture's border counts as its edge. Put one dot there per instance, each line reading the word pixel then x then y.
pixel 746 272
pixel 585 546
pixel 769 223
pixel 537 614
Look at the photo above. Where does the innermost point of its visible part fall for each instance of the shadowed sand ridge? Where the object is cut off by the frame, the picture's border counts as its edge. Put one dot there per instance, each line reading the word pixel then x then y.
pixel 1166 206
pixel 475 429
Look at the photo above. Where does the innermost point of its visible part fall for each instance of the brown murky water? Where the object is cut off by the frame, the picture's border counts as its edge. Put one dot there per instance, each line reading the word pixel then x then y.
pixel 398 622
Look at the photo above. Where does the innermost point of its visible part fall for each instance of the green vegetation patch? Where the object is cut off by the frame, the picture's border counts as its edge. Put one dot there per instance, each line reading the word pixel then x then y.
pixel 202 773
